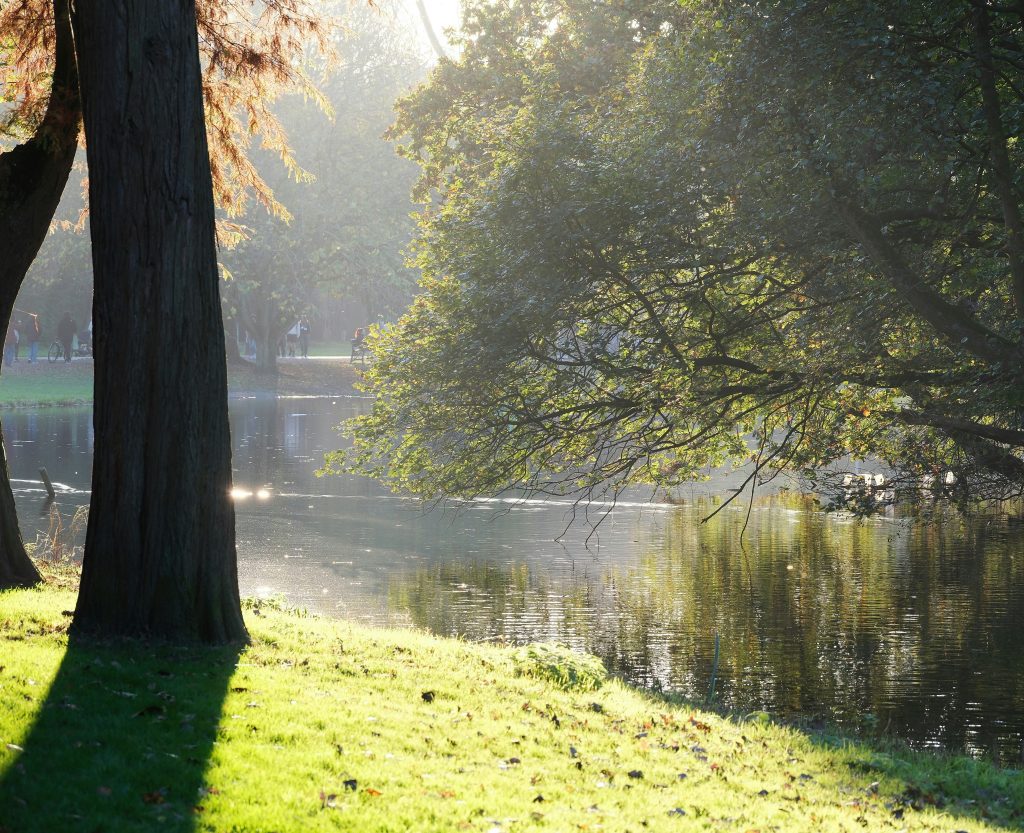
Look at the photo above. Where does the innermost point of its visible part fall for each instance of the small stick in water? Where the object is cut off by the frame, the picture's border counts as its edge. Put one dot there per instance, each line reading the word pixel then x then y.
pixel 47 483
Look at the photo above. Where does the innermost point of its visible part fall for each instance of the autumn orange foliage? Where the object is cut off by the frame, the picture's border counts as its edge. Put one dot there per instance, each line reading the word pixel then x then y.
pixel 252 52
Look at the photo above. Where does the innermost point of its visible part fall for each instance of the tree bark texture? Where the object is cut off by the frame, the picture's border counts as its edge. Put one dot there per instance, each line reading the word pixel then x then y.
pixel 32 179
pixel 160 547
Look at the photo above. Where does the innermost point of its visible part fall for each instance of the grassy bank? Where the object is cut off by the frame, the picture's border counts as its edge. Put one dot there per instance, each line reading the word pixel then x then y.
pixel 44 384
pixel 320 725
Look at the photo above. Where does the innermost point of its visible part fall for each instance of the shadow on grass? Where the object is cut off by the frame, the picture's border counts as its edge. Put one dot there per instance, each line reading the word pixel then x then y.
pixel 885 773
pixel 963 788
pixel 121 742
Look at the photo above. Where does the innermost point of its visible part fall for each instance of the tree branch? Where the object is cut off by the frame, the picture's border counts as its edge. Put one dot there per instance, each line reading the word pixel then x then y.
pixel 947 319
pixel 1002 172
pixel 1008 436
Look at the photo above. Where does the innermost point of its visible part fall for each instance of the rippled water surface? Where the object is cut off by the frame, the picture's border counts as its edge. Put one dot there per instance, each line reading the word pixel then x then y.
pixel 902 624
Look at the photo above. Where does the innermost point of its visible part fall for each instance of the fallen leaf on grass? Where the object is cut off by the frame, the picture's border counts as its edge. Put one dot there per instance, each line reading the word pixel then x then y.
pixel 151 711
pixel 328 800
pixel 635 773
pixel 104 790
pixel 351 784
pixel 372 792
pixel 156 797
pixel 428 696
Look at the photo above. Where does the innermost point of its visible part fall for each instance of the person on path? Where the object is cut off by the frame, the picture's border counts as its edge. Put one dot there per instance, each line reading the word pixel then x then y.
pixel 304 329
pixel 35 332
pixel 66 330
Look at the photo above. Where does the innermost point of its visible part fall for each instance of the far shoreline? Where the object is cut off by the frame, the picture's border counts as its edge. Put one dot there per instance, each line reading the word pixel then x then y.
pixel 42 384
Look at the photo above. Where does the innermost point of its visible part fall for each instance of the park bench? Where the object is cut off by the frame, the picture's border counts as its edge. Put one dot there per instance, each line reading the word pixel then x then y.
pixel 359 350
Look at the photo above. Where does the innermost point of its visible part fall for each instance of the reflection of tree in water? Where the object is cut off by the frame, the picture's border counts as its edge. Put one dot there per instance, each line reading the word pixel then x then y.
pixel 489 602
pixel 817 614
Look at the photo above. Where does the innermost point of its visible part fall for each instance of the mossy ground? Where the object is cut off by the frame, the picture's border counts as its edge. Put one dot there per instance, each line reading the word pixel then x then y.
pixel 321 725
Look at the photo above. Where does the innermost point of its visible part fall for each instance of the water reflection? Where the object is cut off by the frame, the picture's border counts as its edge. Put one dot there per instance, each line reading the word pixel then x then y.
pixel 907 623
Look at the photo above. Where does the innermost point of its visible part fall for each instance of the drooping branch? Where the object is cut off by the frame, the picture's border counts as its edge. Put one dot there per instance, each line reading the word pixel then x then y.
pixel 950 321
pixel 1008 436
pixel 1001 168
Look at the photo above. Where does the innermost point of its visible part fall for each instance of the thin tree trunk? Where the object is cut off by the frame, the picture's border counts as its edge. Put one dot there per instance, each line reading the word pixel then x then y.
pixel 32 179
pixel 160 547
pixel 261 324
pixel 428 26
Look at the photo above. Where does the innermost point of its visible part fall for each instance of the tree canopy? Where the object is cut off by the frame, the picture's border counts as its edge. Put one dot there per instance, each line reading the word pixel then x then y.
pixel 664 236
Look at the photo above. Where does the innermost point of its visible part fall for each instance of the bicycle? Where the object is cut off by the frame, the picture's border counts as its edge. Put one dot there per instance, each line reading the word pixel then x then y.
pixel 56 351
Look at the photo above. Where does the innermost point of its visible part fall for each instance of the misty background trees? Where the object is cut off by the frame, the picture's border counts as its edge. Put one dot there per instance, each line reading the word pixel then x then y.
pixel 335 250
pixel 340 258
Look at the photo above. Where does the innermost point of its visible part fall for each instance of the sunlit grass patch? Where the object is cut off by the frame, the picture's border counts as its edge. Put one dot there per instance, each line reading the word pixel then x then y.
pixel 321 725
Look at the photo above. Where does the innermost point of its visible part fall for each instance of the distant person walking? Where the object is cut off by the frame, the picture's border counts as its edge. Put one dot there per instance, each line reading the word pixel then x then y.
pixel 35 332
pixel 66 330
pixel 304 329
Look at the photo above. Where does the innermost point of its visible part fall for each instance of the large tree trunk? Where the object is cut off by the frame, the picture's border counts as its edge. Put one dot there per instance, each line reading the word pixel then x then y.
pixel 160 546
pixel 32 179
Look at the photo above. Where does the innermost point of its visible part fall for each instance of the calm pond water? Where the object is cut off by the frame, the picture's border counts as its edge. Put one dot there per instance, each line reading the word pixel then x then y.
pixel 897 623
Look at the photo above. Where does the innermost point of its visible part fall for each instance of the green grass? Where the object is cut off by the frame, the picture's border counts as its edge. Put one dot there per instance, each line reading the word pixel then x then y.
pixel 44 384
pixel 326 726
pixel 330 348
pixel 61 387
